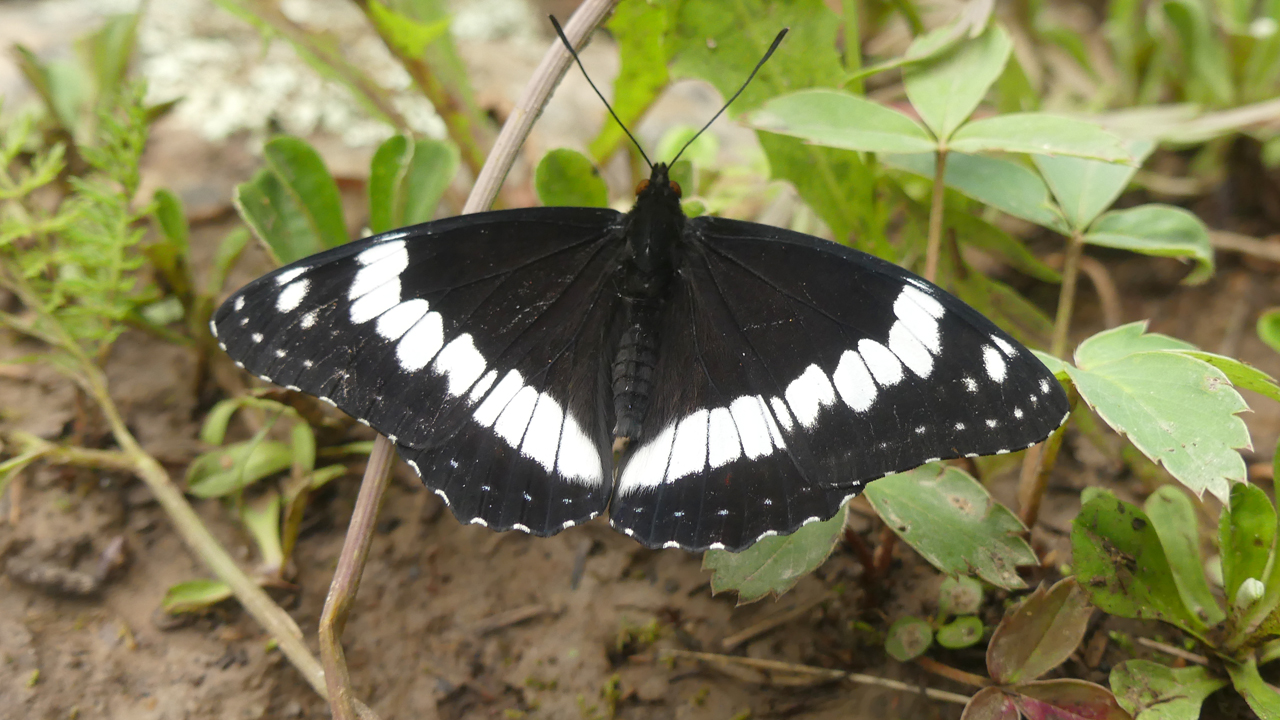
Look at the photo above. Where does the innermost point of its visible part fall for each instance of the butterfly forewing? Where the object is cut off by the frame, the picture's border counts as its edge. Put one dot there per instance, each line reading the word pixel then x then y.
pixel 794 370
pixel 472 343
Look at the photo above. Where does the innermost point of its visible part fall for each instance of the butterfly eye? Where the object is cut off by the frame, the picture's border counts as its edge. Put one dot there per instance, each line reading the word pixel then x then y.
pixel 675 187
pixel 644 185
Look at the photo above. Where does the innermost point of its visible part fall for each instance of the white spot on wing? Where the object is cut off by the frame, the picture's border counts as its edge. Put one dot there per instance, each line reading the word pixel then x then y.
pixel 394 323
pixel 689 451
pixel 994 363
pixel 1008 349
pixel 482 386
pixel 308 320
pixel 515 417
pixel 782 412
pixel 421 343
pixel 497 400
pixel 853 381
pixel 542 439
pixel 753 430
pixel 923 298
pixel 375 302
pixel 882 363
pixel 460 363
pixel 909 350
pixel 648 466
pixel 380 252
pixel 723 446
pixel 578 459
pixel 287 276
pixel 256 337
pixel 808 393
pixel 918 320
pixel 239 303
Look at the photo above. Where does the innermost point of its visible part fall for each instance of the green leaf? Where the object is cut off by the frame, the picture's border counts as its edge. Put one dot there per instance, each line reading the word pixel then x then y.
pixel 991 703
pixel 1179 411
pixel 261 518
pixel 1039 634
pixel 293 205
pixel 1177 526
pixel 1121 564
pixel 959 596
pixel 775 563
pixel 214 429
pixel 1084 188
pixel 946 89
pixel 172 220
pixel 106 53
pixel 194 596
pixel 303 443
pixel 1246 536
pixel 429 174
pixel 951 520
pixel 1040 134
pixel 1241 374
pixel 1263 699
pixel 235 466
pixel 908 638
pixel 233 243
pixel 1159 230
pixel 640 31
pixel 1003 184
pixel 1269 328
pixel 963 632
pixel 1056 366
pixel 567 177
pixel 386 176
pixel 1151 691
pixel 839 119
pixel 1210 80
pixel 408 36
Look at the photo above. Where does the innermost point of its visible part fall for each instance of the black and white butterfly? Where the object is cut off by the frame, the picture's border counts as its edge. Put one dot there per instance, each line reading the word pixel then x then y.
pixel 761 376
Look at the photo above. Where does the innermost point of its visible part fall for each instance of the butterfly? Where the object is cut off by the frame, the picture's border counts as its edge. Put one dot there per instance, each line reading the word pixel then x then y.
pixel 757 377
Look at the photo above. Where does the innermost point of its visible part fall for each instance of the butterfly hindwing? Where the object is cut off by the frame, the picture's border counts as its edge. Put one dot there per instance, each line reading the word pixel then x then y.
pixel 802 370
pixel 472 343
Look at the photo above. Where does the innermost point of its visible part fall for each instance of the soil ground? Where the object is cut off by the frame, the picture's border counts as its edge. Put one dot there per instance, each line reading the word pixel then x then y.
pixel 454 621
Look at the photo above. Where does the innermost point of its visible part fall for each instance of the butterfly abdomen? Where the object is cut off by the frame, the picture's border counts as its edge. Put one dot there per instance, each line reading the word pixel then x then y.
pixel 633 365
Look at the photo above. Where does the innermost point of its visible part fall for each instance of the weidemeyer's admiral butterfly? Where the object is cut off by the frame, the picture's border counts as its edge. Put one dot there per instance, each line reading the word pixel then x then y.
pixel 761 377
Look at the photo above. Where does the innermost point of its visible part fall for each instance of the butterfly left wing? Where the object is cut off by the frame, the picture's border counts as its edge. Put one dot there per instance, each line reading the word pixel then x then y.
pixel 792 370
pixel 470 342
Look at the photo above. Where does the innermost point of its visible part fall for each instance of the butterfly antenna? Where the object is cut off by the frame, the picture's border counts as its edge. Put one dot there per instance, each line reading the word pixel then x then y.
pixel 574 53
pixel 776 41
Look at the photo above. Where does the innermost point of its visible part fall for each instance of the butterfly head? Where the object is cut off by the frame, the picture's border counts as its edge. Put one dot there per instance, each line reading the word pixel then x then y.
pixel 659 185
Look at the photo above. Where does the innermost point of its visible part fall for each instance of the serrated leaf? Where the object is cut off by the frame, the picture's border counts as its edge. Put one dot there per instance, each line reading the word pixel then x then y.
pixel 1067 699
pixel 1039 633
pixel 962 632
pixel 946 89
pixel 954 523
pixel 1121 564
pixel 908 638
pixel 991 703
pixel 1056 366
pixel 1158 230
pixel 839 119
pixel 1151 691
pixel 1240 373
pixel 1178 528
pixel 1179 411
pixel 1246 534
pixel 1084 188
pixel 1262 697
pixel 774 564
pixel 1039 134
pixel 1269 328
pixel 567 178
pixel 236 466
pixel 194 596
pixel 1003 184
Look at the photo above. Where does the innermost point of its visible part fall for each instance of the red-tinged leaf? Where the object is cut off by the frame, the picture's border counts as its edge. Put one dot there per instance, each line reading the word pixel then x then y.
pixel 1067 700
pixel 990 704
pixel 1038 634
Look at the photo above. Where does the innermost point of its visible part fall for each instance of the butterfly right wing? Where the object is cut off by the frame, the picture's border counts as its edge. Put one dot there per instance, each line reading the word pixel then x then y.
pixel 472 343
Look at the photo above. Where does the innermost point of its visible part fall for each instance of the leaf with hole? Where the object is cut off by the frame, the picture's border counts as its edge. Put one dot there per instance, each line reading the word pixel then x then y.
pixel 908 638
pixel 965 631
pixel 954 523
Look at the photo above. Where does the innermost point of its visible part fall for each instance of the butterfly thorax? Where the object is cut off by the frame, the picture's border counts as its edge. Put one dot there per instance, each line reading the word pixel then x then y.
pixel 653 231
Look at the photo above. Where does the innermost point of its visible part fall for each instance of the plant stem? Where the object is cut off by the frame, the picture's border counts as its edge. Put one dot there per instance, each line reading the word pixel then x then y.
pixel 952 673
pixel 1067 296
pixel 346 580
pixel 934 248
pixel 852 42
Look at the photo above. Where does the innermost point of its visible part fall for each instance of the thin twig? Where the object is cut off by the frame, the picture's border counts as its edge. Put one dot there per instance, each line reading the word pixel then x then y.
pixel 1174 651
pixel 934 248
pixel 1102 283
pixel 1267 248
pixel 952 673
pixel 770 623
pixel 346 578
pixel 775 666
pixel 1067 296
